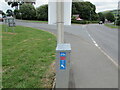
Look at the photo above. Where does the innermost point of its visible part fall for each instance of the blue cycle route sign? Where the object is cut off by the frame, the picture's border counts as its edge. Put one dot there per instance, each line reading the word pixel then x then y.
pixel 62 64
pixel 62 54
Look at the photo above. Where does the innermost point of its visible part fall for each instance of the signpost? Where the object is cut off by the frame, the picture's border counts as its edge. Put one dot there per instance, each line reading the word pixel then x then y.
pixel 62 60
pixel 62 51
pixel 5 23
pixel 9 21
pixel 62 65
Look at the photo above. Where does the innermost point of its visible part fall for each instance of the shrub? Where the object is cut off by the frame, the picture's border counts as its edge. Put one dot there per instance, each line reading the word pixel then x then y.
pixel 83 22
pixel 94 21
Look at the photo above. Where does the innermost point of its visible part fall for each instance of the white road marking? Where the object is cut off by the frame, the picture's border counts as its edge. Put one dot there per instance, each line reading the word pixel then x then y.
pixel 115 63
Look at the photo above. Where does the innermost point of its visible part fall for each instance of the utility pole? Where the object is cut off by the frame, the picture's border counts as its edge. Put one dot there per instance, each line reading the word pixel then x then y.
pixel 117 14
pixel 60 21
pixel 90 15
pixel 62 50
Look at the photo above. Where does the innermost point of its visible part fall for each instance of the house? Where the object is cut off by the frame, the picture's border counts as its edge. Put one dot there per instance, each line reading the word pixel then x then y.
pixel 77 17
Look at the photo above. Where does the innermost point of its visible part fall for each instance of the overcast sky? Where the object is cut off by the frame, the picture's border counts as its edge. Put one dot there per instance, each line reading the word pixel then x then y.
pixel 101 5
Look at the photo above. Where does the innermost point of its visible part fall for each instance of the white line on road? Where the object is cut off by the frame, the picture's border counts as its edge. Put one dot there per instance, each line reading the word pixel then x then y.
pixel 115 63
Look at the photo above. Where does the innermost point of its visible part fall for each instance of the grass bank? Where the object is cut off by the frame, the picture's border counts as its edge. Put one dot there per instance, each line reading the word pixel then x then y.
pixel 27 58
pixel 0 56
pixel 111 26
pixel 36 21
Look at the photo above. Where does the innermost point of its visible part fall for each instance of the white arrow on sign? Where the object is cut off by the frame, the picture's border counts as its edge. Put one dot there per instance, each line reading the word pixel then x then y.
pixel 62 66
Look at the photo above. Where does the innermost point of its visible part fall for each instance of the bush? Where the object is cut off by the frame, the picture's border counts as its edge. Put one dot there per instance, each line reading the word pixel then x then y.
pixel 83 22
pixel 94 21
pixel 79 22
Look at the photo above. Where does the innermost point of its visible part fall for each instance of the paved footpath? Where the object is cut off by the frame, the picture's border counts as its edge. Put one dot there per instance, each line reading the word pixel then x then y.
pixel 90 68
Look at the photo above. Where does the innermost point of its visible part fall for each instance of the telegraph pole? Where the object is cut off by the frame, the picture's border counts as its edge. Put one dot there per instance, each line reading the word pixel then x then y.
pixel 62 50
pixel 60 21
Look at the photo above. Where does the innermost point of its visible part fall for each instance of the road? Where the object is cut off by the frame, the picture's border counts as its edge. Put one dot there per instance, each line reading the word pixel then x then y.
pixel 94 54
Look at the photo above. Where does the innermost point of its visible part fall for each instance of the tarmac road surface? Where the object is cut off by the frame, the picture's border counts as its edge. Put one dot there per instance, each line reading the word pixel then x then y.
pixel 94 54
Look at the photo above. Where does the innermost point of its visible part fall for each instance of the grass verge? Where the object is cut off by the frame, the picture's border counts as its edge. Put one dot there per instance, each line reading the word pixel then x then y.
pixel 111 26
pixel 0 56
pixel 35 21
pixel 27 56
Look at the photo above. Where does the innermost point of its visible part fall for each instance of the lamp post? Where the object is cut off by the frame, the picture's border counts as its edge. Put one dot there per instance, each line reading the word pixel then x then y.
pixel 90 15
pixel 21 16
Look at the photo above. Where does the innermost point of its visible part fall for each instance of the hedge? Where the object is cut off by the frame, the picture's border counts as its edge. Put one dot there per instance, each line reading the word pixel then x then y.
pixel 83 22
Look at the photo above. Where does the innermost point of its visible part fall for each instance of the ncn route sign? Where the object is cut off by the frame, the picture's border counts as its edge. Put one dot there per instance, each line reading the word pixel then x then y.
pixel 62 60
pixel 62 65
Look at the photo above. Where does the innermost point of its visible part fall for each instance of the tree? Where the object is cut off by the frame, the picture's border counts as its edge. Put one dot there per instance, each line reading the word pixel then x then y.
pixel 118 21
pixel 3 14
pixel 95 17
pixel 9 12
pixel 17 14
pixel 110 17
pixel 13 4
pixel 42 12
pixel 101 17
pixel 28 12
pixel 86 10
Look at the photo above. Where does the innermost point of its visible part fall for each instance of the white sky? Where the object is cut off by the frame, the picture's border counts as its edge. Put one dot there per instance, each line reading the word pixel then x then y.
pixel 101 5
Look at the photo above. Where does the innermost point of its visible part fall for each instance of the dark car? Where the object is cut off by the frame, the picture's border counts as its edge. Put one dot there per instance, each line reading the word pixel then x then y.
pixel 100 22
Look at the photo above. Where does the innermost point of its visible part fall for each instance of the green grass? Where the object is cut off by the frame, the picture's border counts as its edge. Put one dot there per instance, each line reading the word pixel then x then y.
pixel 36 21
pixel 111 26
pixel 0 56
pixel 27 57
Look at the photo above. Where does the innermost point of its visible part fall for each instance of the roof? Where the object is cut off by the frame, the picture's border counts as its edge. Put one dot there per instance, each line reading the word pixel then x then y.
pixel 20 0
pixel 76 15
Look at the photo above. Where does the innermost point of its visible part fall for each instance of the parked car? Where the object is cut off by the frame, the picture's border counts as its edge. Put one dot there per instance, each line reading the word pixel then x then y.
pixel 1 18
pixel 100 22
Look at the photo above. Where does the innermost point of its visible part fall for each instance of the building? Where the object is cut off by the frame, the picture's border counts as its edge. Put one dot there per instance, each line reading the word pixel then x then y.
pixel 24 1
pixel 77 17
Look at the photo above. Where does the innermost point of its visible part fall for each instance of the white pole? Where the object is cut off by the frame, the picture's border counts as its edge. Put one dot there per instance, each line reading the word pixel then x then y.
pixel 60 21
pixel 62 50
